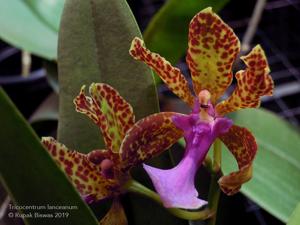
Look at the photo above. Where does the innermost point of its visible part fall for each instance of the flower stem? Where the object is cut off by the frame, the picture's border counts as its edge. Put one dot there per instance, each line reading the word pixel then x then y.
pixel 214 189
pixel 136 187
pixel 217 156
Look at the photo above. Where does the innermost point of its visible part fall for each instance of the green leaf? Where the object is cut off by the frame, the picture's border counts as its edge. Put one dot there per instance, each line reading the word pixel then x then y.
pixel 94 41
pixel 30 175
pixel 276 176
pixel 22 28
pixel 295 217
pixel 49 11
pixel 167 32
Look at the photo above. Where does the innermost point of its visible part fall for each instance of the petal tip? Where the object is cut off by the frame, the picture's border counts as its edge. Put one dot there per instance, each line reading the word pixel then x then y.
pixel 93 87
pixel 135 46
pixel 207 10
pixel 82 89
pixel 47 140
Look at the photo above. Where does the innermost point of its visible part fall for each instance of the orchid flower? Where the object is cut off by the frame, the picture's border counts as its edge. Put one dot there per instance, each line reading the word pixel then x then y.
pixel 212 49
pixel 104 173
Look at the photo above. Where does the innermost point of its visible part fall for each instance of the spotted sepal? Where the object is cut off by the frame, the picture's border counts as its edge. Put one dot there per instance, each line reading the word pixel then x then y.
pixel 252 83
pixel 115 216
pixel 86 176
pixel 108 110
pixel 212 49
pixel 172 76
pixel 149 137
pixel 242 145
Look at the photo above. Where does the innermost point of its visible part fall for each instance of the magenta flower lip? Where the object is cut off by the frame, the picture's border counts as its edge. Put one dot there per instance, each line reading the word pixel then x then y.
pixel 176 186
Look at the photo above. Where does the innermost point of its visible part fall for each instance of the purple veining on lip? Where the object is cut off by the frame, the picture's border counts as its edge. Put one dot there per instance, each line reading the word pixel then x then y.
pixel 176 186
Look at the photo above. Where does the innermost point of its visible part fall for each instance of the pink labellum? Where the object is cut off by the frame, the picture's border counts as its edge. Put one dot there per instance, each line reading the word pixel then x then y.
pixel 176 186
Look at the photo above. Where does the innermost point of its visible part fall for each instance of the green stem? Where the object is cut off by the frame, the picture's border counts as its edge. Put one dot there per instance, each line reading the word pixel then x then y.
pixel 214 189
pixel 136 187
pixel 208 164
pixel 217 155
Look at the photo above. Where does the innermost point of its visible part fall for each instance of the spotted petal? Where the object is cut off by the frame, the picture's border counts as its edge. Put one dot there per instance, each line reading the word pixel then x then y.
pixel 149 137
pixel 108 110
pixel 212 49
pixel 115 216
pixel 243 146
pixel 169 74
pixel 252 83
pixel 86 176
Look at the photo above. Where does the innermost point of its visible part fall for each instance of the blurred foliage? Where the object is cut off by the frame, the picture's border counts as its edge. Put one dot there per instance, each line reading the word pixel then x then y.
pixel 31 25
pixel 30 175
pixel 48 11
pixel 295 217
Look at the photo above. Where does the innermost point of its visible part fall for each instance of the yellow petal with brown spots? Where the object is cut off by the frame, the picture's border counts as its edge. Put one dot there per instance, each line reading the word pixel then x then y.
pixel 252 83
pixel 242 145
pixel 212 49
pixel 109 111
pixel 115 216
pixel 149 137
pixel 86 176
pixel 172 76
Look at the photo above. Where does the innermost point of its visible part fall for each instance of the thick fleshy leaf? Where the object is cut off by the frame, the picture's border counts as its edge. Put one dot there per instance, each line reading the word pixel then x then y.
pixel 23 28
pixel 149 137
pixel 252 83
pixel 109 111
pixel 85 175
pixel 94 40
pixel 169 74
pixel 242 145
pixel 212 49
pixel 276 170
pixel 167 31
pixel 115 216
pixel 29 174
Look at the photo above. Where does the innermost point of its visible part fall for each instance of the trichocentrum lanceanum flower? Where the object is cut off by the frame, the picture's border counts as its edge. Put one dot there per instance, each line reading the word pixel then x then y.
pixel 212 50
